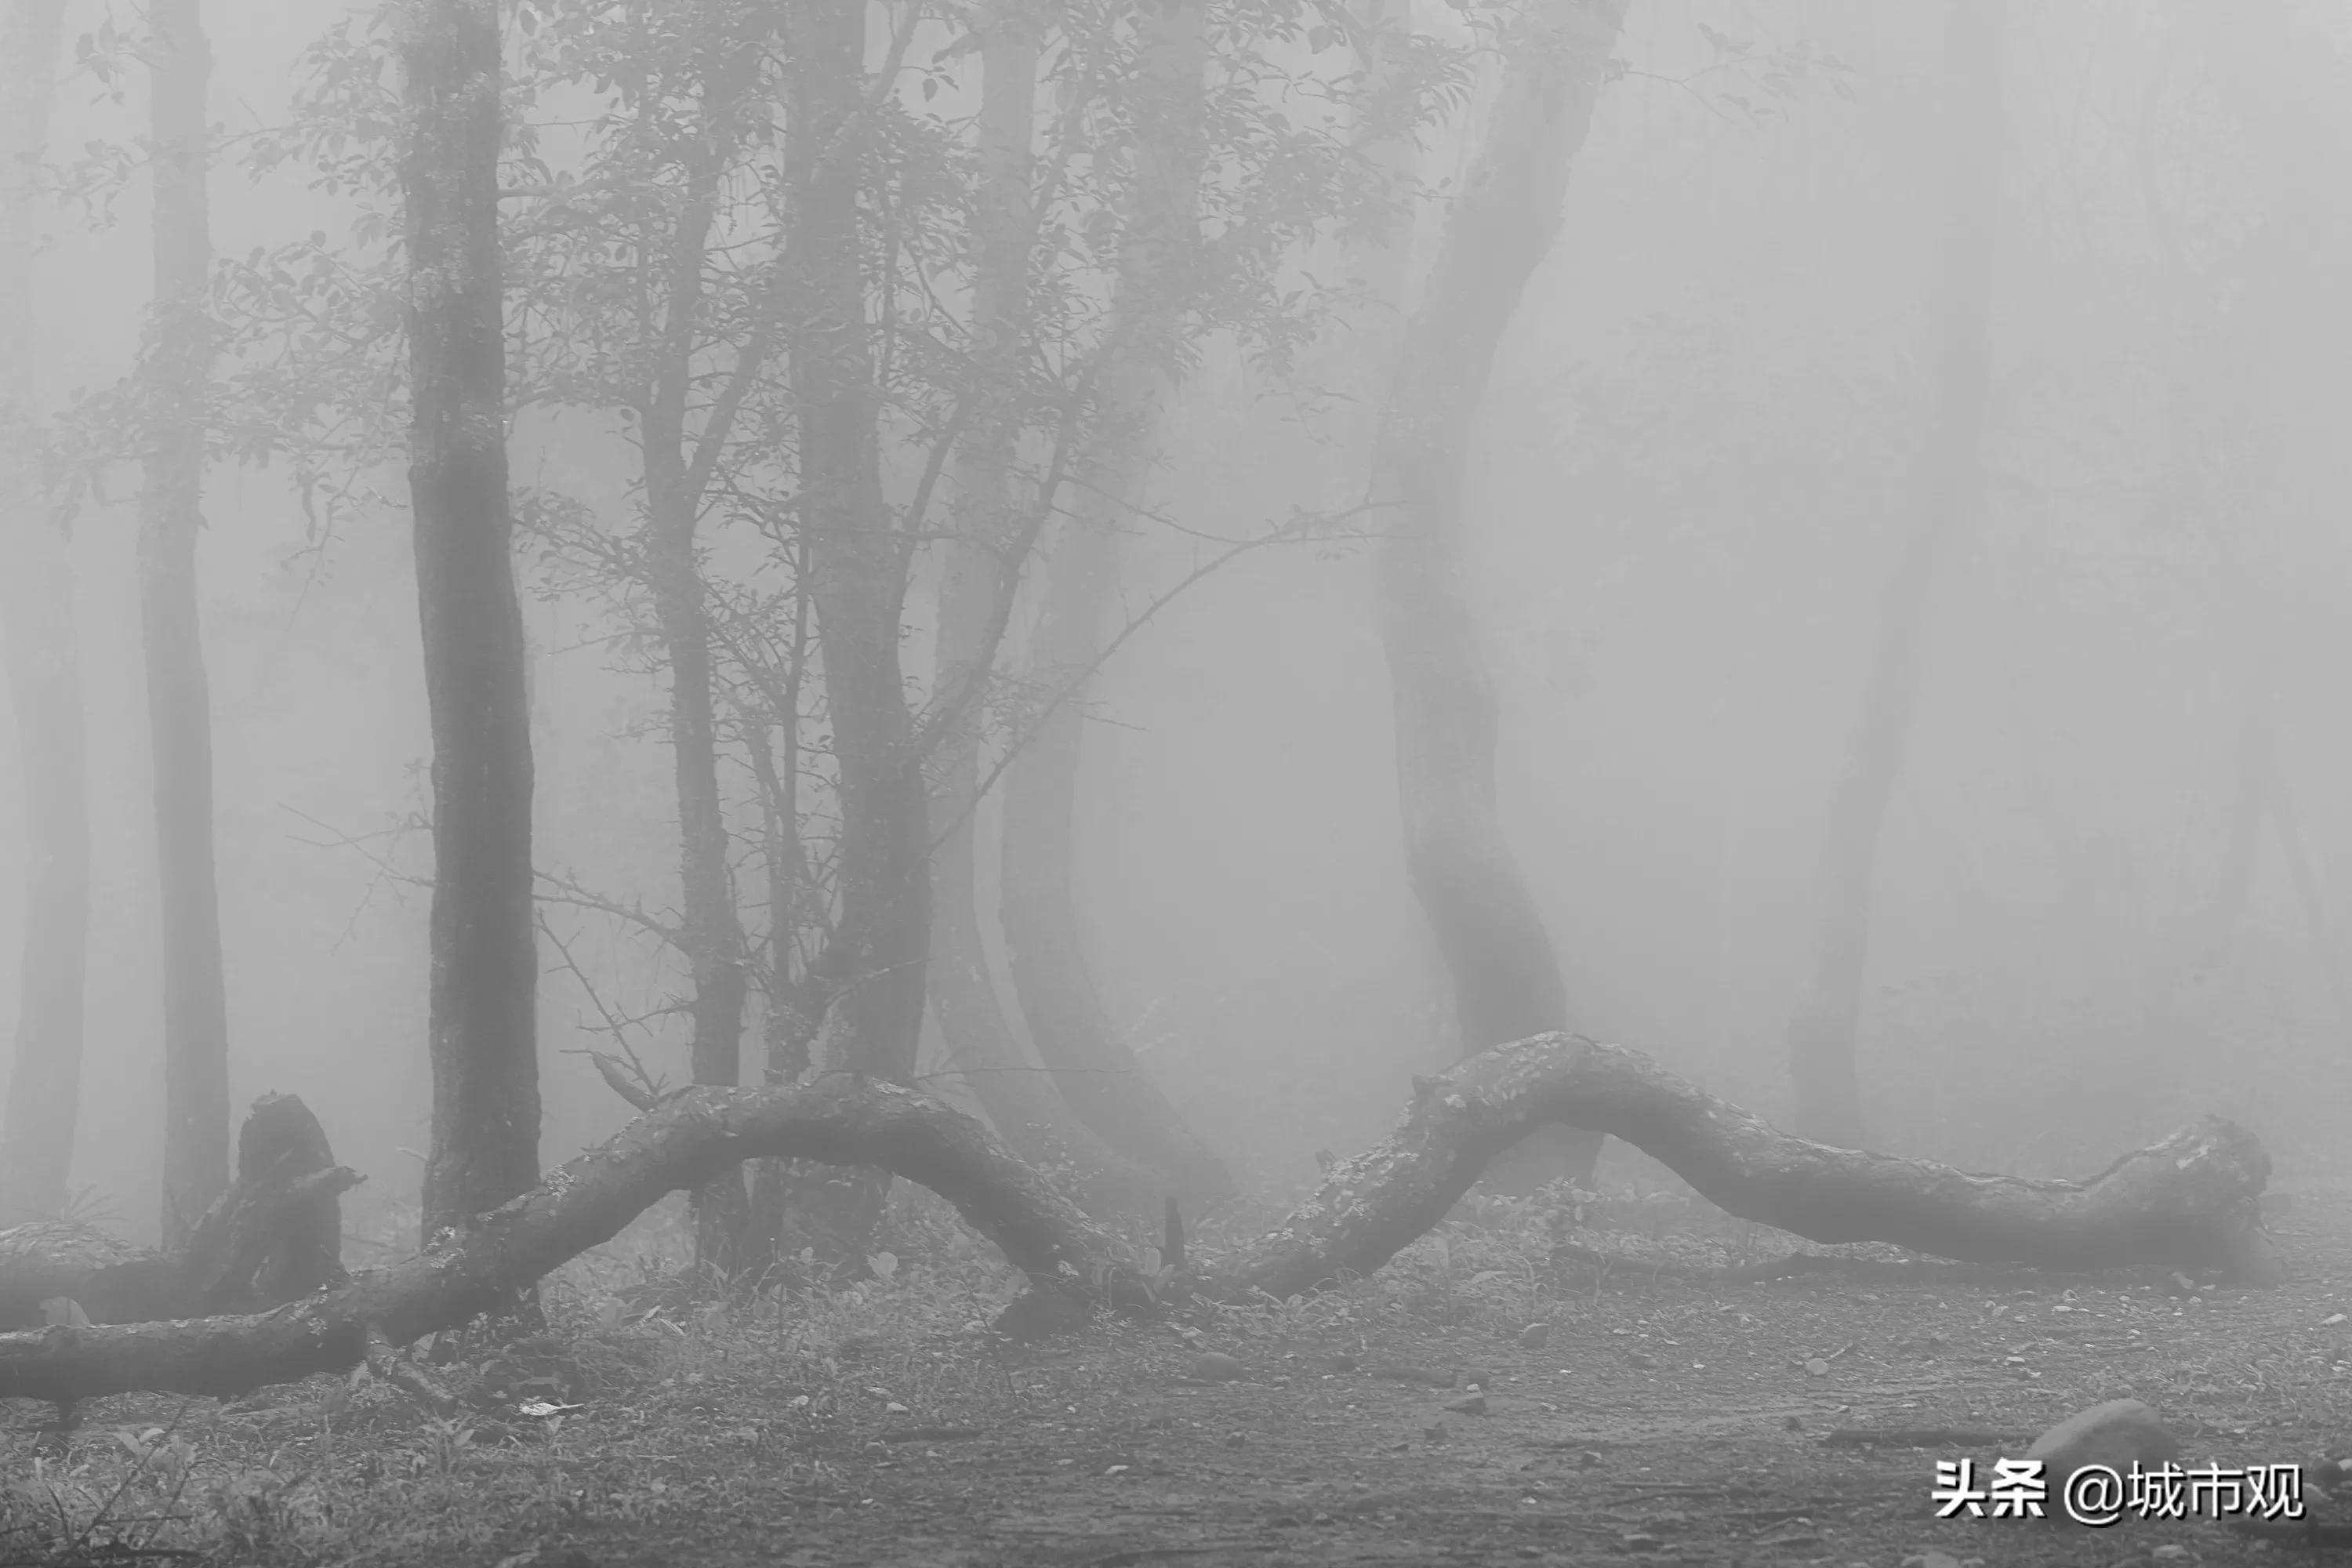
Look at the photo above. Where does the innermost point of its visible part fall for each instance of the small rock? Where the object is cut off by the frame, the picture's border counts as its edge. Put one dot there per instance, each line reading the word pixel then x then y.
pixel 1639 1359
pixel 1819 1366
pixel 2118 1434
pixel 1214 1366
pixel 1792 1424
pixel 2172 1552
pixel 1435 1432
pixel 1236 1439
pixel 1343 1362
pixel 1635 1540
pixel 1468 1404
pixel 1588 1460
pixel 1931 1559
pixel 1474 1378
pixel 1534 1336
pixel 1321 1519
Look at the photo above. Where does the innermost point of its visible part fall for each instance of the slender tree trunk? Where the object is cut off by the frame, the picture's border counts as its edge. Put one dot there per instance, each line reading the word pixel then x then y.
pixel 858 577
pixel 712 934
pixel 976 588
pixel 36 1137
pixel 1097 1071
pixel 1507 978
pixel 485 961
pixel 1827 1096
pixel 179 698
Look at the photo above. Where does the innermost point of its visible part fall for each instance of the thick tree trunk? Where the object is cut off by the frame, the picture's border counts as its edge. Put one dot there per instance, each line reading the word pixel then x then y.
pixel 859 578
pixel 37 1136
pixel 179 698
pixel 1506 977
pixel 977 582
pixel 1825 1087
pixel 2189 1201
pixel 1094 1067
pixel 485 961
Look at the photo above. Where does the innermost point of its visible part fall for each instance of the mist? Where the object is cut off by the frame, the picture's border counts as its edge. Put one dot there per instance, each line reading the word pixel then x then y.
pixel 1695 464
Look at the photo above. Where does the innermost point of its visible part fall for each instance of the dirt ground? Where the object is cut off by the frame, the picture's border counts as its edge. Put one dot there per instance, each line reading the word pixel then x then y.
pixel 1658 1422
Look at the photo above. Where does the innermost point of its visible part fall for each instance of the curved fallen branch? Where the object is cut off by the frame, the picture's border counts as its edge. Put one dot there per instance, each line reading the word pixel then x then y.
pixel 677 1145
pixel 2189 1201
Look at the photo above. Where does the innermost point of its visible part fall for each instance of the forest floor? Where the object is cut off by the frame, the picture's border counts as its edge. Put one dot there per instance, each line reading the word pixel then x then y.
pixel 1658 1422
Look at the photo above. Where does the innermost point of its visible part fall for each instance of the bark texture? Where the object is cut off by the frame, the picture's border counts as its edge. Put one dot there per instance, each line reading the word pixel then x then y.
pixel 178 696
pixel 1094 1067
pixel 43 653
pixel 2189 1200
pixel 1506 977
pixel 1824 1084
pixel 484 961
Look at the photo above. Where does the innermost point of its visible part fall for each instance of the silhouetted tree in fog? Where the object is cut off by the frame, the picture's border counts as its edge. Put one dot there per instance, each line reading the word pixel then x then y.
pixel 857 568
pixel 44 674
pixel 981 570
pixel 1094 1065
pixel 179 698
pixel 1827 1098
pixel 1506 977
pixel 484 963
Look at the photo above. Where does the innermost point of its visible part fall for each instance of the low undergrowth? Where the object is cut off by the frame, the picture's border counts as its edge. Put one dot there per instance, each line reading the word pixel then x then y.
pixel 1484 1391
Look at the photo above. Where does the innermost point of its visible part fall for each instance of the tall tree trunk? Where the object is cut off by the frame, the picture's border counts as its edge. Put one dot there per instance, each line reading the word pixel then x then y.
pixel 858 577
pixel 975 600
pixel 711 933
pixel 1095 1069
pixel 36 1137
pixel 1507 978
pixel 1826 1091
pixel 179 698
pixel 485 961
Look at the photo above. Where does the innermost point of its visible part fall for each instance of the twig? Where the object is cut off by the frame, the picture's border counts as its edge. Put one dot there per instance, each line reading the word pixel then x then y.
pixel 384 1359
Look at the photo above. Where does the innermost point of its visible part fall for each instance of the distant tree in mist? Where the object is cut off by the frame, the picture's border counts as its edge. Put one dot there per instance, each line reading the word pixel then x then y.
pixel 1824 1084
pixel 36 604
pixel 485 964
pixel 179 698
pixel 1093 1064
pixel 979 576
pixel 1506 977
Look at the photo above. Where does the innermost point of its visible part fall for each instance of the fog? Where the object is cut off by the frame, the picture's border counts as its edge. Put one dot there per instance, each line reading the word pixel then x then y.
pixel 1691 473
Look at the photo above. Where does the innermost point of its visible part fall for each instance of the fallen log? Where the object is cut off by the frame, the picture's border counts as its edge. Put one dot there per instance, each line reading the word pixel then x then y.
pixel 679 1145
pixel 2189 1201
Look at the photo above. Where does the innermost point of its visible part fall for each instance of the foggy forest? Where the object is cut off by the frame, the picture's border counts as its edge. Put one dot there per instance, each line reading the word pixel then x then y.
pixel 968 782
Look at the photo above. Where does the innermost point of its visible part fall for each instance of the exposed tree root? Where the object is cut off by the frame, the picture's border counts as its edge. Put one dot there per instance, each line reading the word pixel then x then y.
pixel 2189 1201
